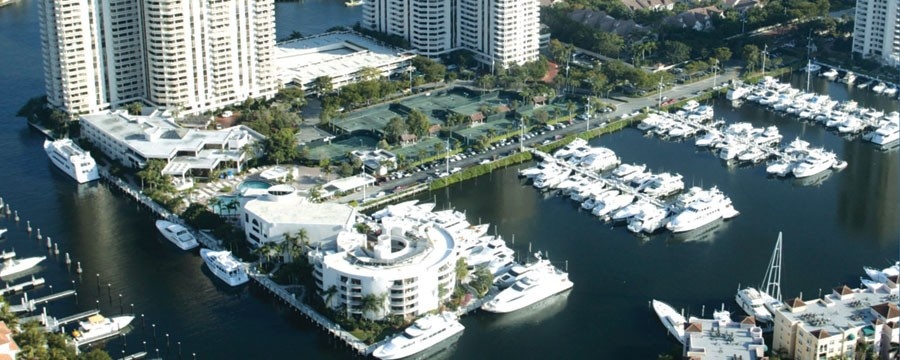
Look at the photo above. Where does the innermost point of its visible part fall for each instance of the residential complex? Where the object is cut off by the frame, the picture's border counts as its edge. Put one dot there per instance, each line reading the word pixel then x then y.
pixel 134 140
pixel 339 55
pixel 835 325
pixel 876 33
pixel 282 211
pixel 182 55
pixel 499 32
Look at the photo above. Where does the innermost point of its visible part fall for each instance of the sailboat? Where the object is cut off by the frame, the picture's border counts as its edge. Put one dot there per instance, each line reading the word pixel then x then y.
pixel 762 302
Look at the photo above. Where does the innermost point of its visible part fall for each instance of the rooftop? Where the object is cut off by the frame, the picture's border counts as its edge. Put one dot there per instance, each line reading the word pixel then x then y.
pixel 292 208
pixel 333 54
pixel 843 309
pixel 723 339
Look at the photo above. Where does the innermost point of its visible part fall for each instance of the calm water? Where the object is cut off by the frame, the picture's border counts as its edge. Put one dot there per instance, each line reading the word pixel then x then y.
pixel 831 231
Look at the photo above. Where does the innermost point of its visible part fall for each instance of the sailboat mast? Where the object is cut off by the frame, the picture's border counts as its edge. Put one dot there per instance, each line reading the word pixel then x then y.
pixel 772 281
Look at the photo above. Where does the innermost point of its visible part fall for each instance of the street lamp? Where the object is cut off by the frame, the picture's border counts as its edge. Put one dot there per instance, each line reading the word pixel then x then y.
pixel 364 183
pixel 660 93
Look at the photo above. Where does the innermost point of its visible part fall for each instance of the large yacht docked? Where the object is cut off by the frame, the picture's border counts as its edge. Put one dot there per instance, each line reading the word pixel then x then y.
pixel 224 266
pixel 177 234
pixel 671 319
pixel 421 335
pixel 538 284
pixel 98 328
pixel 710 206
pixel 72 160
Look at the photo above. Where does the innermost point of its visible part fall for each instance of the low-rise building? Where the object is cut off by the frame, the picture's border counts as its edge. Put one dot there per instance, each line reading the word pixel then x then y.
pixel 340 56
pixel 721 338
pixel 378 162
pixel 283 211
pixel 838 325
pixel 133 140
pixel 8 347
pixel 407 270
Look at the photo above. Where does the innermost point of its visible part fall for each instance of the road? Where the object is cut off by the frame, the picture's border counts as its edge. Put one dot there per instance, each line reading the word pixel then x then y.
pixel 622 108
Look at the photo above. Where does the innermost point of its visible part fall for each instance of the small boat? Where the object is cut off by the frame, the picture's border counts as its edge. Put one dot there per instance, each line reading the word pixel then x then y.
pixel 831 74
pixel 671 319
pixel 98 328
pixel 839 164
pixel 225 266
pixel 421 335
pixel 12 266
pixel 177 234
pixel 879 88
pixel 353 3
pixel 3 231
pixel 813 67
pixel 815 162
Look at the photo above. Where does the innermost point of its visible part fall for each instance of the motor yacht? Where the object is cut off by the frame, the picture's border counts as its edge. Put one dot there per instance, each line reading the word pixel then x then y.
pixel 816 161
pixel 753 154
pixel 600 159
pixel 566 151
pixel 631 210
pixel 879 88
pixel 769 136
pixel 732 149
pixel 13 266
pixel 421 335
pixel 551 178
pixel 737 93
pixel 885 134
pixel 538 284
pixel 831 74
pixel 662 185
pixel 709 139
pixel 518 272
pixel 883 275
pixel 225 266
pixel 72 160
pixel 625 170
pixel 849 78
pixel 780 167
pixel 612 203
pixel 177 234
pixel 671 319
pixel 98 328
pixel 648 221
pixel 715 205
pixel 754 302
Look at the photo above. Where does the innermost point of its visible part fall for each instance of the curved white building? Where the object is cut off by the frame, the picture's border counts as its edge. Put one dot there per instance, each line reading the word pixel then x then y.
pixel 407 271
pixel 282 211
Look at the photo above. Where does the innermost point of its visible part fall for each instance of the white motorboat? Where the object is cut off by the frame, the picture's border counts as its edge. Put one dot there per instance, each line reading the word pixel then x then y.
pixel 569 149
pixel 600 159
pixel 612 203
pixel 737 93
pixel 421 335
pixel 98 328
pixel 831 74
pixel 539 284
pixel 781 167
pixel 732 150
pixel 815 162
pixel 3 231
pixel 177 234
pixel 596 199
pixel 753 302
pixel 550 179
pixel 883 275
pixel 627 169
pixel 631 210
pixel 885 134
pixel 711 207
pixel 709 139
pixel 662 185
pixel 12 266
pixel 753 154
pixel 879 88
pixel 839 165
pixel 648 221
pixel 72 160
pixel 890 91
pixel 518 272
pixel 225 266
pixel 849 78
pixel 769 136
pixel 671 319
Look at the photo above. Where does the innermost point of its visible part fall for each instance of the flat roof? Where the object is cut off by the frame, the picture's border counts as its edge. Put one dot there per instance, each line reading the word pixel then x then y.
pixel 835 314
pixel 157 136
pixel 295 209
pixel 334 54
pixel 350 183
pixel 731 341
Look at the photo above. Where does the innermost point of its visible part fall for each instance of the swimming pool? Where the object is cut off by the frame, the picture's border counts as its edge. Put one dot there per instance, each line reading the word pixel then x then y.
pixel 252 184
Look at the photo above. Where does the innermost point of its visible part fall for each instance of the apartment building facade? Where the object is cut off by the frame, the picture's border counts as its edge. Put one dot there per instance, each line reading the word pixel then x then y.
pixel 876 32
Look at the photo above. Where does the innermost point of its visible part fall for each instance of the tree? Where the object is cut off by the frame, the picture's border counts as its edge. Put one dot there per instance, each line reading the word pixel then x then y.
pixel 571 107
pixel 417 123
pixel 323 85
pixel 439 147
pixel 394 129
pixel 372 303
pixel 607 43
pixel 750 53
pixel 346 170
pixel 95 354
pixel 541 116
pixel 369 73
pixel 329 294
pixel 486 82
pixel 281 146
pixel 462 269
pixel 722 54
pixel 676 51
pixel 135 108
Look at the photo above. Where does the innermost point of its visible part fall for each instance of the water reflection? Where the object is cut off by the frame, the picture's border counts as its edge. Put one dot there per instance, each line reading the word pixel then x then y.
pixel 705 233
pixel 813 181
pixel 531 315
pixel 868 196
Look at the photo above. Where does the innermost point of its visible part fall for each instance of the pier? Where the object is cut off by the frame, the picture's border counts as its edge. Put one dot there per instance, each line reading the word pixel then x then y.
pixel 21 287
pixel 31 305
pixel 418 188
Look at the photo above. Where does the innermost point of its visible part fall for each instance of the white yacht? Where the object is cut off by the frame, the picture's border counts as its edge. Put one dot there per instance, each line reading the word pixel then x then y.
pixel 539 284
pixel 732 150
pixel 98 328
pixel 831 74
pixel 518 272
pixel 737 93
pixel 177 234
pixel 72 160
pixel 597 199
pixel 569 149
pixel 550 179
pixel 600 159
pixel 3 231
pixel 753 154
pixel 12 266
pixel 421 335
pixel 225 266
pixel 753 302
pixel 631 210
pixel 849 78
pixel 709 139
pixel 815 162
pixel 883 275
pixel 781 167
pixel 612 203
pixel 705 210
pixel 664 184
pixel 671 319
pixel 626 172
pixel 879 88
pixel 885 134
pixel 648 221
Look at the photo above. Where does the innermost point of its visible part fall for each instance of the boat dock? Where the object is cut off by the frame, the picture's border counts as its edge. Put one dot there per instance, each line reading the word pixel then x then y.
pixel 21 287
pixel 324 323
pixel 135 356
pixel 31 305
pixel 368 205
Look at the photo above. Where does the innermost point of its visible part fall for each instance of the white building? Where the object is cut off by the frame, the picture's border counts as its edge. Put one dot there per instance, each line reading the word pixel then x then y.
pixel 876 32
pixel 184 55
pixel 834 326
pixel 282 211
pixel 410 269
pixel 134 140
pixel 499 32
pixel 338 55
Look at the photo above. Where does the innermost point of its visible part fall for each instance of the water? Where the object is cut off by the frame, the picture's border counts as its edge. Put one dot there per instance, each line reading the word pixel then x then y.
pixel 831 231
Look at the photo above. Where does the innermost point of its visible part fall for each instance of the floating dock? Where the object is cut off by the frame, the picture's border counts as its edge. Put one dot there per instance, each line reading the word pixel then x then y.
pixel 22 287
pixel 31 305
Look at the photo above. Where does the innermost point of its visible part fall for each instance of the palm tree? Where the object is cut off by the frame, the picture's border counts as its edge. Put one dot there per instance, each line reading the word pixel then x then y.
pixel 232 206
pixel 329 295
pixel 301 237
pixel 372 303
pixel 267 251
pixel 214 203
